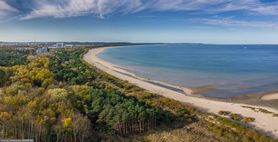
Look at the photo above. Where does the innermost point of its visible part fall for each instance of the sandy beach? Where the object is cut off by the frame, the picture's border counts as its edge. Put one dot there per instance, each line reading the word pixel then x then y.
pixel 263 121
pixel 267 97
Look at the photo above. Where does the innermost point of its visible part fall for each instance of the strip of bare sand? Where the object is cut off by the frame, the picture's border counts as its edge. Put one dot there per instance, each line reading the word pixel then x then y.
pixel 263 121
pixel 268 97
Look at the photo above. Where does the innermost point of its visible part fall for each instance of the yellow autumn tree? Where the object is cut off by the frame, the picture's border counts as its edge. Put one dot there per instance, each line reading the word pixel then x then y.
pixel 67 122
pixel 57 93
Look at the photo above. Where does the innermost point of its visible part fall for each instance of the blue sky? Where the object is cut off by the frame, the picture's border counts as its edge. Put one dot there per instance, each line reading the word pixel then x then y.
pixel 198 21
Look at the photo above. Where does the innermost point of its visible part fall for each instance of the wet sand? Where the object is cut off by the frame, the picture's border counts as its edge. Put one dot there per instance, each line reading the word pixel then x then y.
pixel 261 99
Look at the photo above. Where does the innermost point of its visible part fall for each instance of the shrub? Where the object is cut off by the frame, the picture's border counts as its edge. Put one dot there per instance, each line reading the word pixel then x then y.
pixel 236 117
pixel 264 110
pixel 225 113
pixel 248 119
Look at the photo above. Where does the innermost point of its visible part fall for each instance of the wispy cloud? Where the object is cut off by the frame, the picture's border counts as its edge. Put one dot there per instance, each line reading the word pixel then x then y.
pixel 71 8
pixel 68 8
pixel 256 6
pixel 230 22
pixel 101 8
pixel 6 9
pixel 218 6
pixel 186 5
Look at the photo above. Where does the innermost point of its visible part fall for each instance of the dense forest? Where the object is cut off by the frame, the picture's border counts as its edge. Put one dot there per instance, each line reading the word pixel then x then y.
pixel 104 105
pixel 10 57
pixel 61 98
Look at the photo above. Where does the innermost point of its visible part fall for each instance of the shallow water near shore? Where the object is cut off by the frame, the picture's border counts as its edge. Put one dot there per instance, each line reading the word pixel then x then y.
pixel 232 70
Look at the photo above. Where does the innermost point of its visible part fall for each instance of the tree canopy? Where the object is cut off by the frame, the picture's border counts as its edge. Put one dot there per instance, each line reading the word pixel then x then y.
pixel 10 57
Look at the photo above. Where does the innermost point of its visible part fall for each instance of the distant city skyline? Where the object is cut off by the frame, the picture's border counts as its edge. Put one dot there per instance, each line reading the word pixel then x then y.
pixel 186 21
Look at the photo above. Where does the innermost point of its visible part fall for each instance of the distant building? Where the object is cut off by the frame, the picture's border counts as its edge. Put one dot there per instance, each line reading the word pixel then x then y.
pixel 52 46
pixel 21 49
pixel 59 45
pixel 68 46
pixel 42 50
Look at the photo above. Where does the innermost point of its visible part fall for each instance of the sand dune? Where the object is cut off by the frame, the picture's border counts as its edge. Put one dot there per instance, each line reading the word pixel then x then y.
pixel 263 121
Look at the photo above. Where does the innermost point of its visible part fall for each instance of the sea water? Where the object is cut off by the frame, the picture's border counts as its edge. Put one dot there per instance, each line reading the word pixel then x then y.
pixel 231 69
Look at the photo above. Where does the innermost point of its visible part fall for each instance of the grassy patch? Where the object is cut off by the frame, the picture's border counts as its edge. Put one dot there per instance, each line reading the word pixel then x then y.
pixel 261 110
pixel 253 108
pixel 236 117
pixel 264 110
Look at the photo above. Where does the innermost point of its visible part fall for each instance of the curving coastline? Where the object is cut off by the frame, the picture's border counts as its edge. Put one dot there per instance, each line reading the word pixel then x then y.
pixel 263 121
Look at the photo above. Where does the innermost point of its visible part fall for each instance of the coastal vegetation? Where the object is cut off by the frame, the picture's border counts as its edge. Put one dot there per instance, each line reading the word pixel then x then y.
pixel 225 113
pixel 62 98
pixel 236 117
pixel 262 110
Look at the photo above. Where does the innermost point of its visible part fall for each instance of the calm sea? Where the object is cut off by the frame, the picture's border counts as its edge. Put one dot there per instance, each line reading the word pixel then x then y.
pixel 231 69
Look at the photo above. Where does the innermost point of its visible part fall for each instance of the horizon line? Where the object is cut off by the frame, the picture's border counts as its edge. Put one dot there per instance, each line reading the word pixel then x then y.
pixel 139 42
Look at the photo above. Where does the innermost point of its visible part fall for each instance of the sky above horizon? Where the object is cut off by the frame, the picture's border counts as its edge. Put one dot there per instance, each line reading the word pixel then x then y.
pixel 192 21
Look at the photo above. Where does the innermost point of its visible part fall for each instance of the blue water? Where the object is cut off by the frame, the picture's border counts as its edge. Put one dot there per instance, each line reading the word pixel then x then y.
pixel 232 69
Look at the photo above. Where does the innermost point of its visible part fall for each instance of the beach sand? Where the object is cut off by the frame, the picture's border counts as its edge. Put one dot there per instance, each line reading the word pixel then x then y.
pixel 268 97
pixel 263 121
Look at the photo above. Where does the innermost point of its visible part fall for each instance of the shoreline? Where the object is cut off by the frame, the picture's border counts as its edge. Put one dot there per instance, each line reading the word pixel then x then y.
pixel 264 122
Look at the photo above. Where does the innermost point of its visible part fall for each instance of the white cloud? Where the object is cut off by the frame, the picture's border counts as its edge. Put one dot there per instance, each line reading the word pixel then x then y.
pixel 69 8
pixel 185 5
pixel 267 9
pixel 270 8
pixel 230 22
pixel 218 6
pixel 6 9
